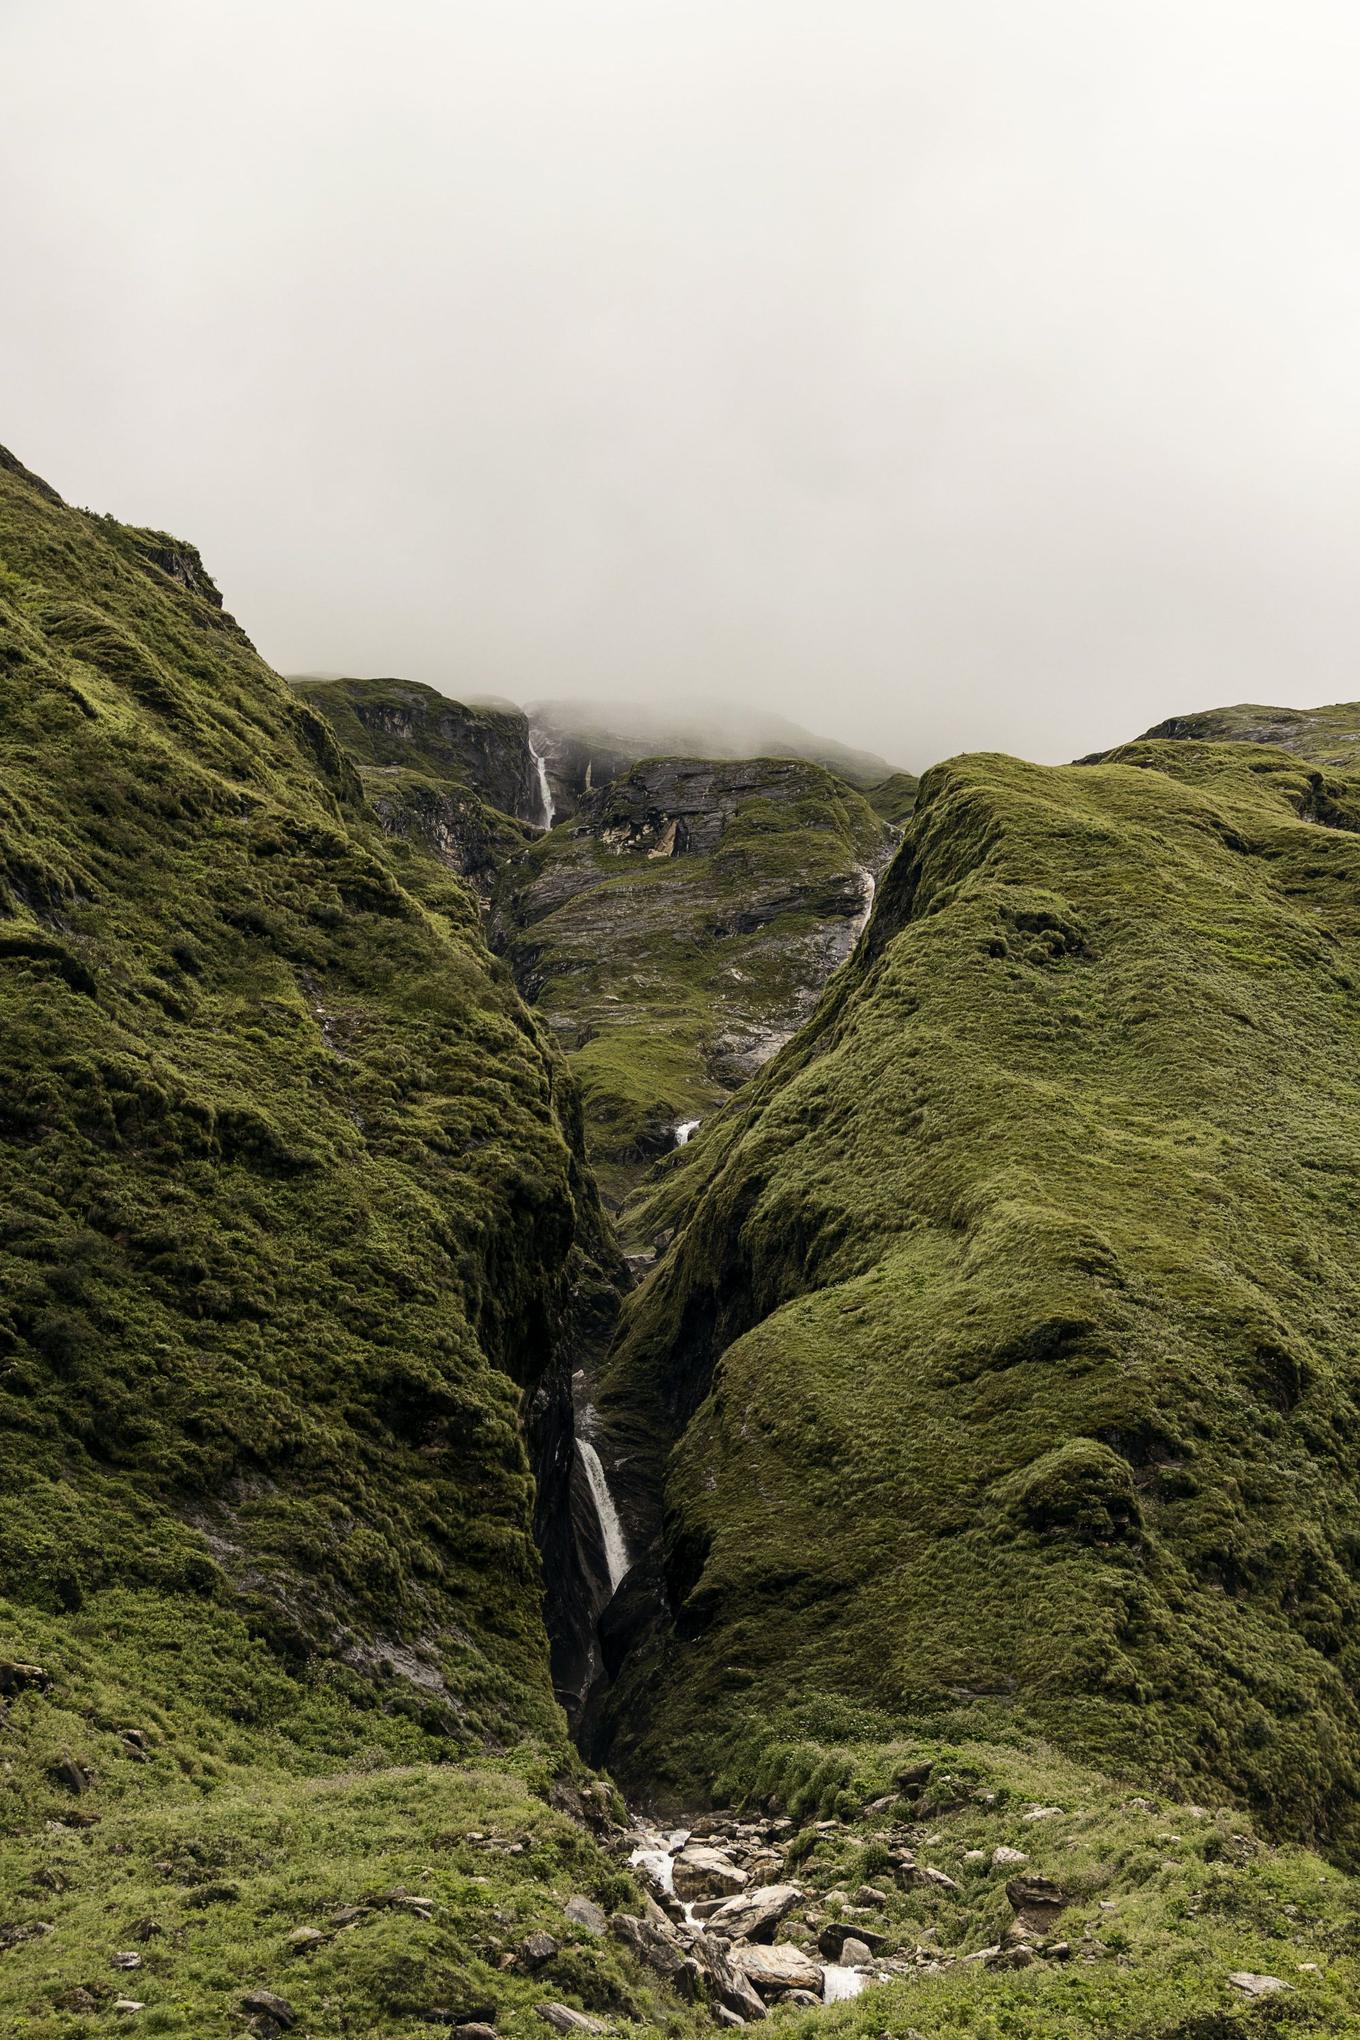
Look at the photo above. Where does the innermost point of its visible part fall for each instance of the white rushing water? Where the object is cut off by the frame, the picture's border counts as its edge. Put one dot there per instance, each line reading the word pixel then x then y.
pixel 547 808
pixel 611 1530
pixel 839 1983
pixel 685 1129
pixel 869 886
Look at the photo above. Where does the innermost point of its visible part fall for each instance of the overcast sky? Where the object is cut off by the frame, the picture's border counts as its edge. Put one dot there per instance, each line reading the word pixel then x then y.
pixel 946 373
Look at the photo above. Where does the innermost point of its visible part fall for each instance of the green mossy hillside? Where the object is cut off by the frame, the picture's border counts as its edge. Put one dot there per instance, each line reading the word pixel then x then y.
pixel 1009 1342
pixel 293 1216
pixel 1326 736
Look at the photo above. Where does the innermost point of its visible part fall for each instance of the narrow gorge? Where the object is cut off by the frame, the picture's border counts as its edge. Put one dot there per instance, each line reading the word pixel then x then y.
pixel 647 1386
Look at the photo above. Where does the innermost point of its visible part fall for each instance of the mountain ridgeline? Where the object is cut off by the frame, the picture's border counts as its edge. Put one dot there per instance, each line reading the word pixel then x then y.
pixel 548 1256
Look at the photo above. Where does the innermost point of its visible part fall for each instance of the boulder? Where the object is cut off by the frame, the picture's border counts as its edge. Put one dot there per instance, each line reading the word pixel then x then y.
pixel 777 1968
pixel 754 1915
pixel 563 2019
pixel 1256 1986
pixel 656 1946
pixel 583 1912
pixel 836 1933
pixel 701 1872
pixel 1037 1899
pixel 1008 1859
pixel 729 1985
pixel 265 2005
pixel 855 1954
pixel 536 1949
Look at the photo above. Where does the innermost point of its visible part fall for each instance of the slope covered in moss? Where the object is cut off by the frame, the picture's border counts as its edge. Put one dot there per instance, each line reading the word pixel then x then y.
pixel 294 1235
pixel 1009 1345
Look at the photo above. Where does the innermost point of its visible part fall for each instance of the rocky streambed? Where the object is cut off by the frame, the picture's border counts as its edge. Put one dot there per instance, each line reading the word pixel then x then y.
pixel 727 1921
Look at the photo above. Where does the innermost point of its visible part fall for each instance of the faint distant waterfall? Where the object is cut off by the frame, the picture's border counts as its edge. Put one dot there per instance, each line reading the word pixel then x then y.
pixel 547 808
pixel 685 1129
pixel 611 1530
pixel 866 906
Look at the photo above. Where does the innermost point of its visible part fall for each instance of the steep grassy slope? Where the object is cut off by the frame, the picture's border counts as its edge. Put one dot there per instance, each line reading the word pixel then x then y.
pixel 679 928
pixel 1011 1345
pixel 293 1227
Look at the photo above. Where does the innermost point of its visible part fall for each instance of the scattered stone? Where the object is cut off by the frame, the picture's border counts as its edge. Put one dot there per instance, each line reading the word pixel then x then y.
pixel 70 1775
pixel 77 2000
pixel 929 1875
pixel 723 2017
pixel 1256 1986
pixel 754 1915
pixel 804 2000
pixel 264 2004
pixel 911 1778
pixel 536 1949
pixel 975 1855
pixel 1008 1859
pixel 21 1678
pixel 128 2005
pixel 777 1968
pixel 23 1930
pixel 145 1930
pixel 1059 1951
pixel 1042 1812
pixel 474 2029
pixel 583 1912
pixel 563 2019
pixel 303 1938
pixel 836 1933
pixel 869 1894
pixel 856 1954
pixel 701 1872
pixel 129 1959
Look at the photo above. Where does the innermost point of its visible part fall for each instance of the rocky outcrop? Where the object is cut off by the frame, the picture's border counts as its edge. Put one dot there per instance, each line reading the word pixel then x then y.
pixel 402 726
pixel 675 932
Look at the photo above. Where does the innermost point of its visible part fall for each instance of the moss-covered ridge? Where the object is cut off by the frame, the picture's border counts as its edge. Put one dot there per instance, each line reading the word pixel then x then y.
pixel 1010 1346
pixel 1327 736
pixel 288 1195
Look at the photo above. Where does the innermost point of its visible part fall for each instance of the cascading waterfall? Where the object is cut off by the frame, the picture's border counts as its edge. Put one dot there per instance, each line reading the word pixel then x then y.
pixel 869 888
pixel 685 1129
pixel 611 1530
pixel 547 807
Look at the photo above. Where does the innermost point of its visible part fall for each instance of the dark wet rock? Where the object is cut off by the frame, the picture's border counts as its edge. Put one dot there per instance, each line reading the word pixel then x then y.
pixel 836 1933
pixel 267 2004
